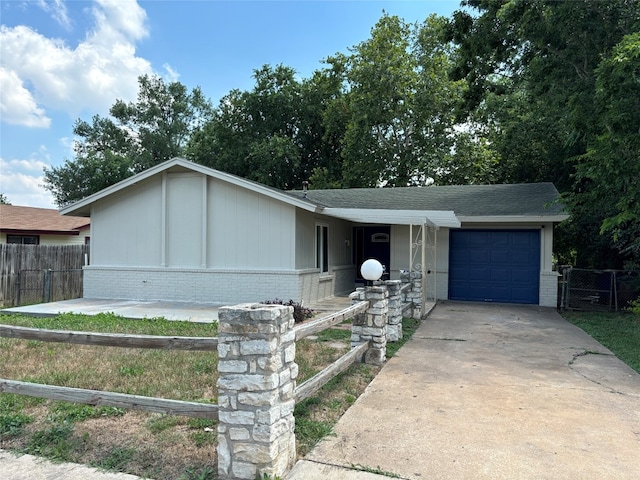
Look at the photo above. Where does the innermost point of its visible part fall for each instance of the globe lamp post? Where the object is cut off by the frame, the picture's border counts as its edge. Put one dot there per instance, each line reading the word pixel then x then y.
pixel 371 270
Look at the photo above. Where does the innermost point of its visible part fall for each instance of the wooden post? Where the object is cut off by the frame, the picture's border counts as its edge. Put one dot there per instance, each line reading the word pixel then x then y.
pixel 47 286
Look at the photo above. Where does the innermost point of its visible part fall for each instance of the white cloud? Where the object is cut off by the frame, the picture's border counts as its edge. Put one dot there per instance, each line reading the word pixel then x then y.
pixel 90 77
pixel 58 10
pixel 172 74
pixel 22 183
pixel 17 105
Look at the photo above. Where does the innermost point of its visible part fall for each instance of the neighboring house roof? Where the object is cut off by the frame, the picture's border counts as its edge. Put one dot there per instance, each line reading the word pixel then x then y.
pixel 444 206
pixel 39 221
pixel 530 201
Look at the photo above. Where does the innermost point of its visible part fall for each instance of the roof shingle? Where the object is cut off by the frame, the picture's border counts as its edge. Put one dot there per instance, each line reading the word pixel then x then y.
pixel 527 199
pixel 17 218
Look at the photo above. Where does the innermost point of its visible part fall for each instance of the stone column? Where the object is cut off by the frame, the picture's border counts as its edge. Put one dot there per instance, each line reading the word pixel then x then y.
pixel 415 295
pixel 394 317
pixel 372 326
pixel 256 350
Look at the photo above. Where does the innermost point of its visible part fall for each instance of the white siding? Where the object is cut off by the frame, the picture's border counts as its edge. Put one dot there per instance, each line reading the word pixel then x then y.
pixel 305 240
pixel 248 230
pixel 184 220
pixel 126 228
pixel 340 240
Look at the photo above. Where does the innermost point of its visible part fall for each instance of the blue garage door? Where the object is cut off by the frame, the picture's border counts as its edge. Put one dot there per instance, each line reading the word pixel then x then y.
pixel 494 265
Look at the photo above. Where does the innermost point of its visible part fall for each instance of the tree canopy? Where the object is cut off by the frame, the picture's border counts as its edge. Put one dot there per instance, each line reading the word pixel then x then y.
pixel 504 91
pixel 136 136
pixel 534 71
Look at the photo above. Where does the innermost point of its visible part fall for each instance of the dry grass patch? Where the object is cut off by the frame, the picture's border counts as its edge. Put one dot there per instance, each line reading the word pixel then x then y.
pixel 140 443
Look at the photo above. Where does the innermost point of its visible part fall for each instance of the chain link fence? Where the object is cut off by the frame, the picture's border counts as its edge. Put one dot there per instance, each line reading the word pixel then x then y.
pixel 597 290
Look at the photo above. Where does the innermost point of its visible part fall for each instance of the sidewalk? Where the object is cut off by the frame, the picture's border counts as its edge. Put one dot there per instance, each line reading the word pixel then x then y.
pixel 28 467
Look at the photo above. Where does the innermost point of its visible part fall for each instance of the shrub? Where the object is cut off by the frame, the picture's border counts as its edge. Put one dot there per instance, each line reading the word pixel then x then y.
pixel 634 306
pixel 300 312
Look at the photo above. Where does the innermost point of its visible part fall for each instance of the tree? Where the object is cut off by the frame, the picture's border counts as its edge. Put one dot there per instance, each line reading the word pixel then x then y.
pixel 272 134
pixel 611 167
pixel 531 67
pixel 138 135
pixel 401 105
pixel 4 200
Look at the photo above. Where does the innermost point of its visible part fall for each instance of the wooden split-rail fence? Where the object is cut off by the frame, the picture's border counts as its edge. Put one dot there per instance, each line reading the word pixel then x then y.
pixel 160 405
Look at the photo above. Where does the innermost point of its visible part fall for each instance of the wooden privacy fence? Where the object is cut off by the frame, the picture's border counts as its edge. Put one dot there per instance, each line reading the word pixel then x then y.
pixel 40 273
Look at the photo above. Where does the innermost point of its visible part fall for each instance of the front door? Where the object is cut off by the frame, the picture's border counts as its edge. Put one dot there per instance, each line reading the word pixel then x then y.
pixel 372 242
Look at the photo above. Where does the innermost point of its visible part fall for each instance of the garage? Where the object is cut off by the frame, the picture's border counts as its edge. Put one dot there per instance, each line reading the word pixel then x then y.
pixel 494 265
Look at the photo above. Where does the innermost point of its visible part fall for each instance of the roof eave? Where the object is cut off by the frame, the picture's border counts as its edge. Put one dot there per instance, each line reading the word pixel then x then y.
pixel 83 207
pixel 555 218
pixel 433 218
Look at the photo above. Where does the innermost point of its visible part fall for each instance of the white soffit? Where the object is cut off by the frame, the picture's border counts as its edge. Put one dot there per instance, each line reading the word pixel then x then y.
pixel 434 218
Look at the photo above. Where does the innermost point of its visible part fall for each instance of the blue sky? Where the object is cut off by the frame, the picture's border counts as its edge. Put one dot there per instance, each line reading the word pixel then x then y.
pixel 63 60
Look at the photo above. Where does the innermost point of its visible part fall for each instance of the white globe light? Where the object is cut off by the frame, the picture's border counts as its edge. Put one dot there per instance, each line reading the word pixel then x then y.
pixel 371 269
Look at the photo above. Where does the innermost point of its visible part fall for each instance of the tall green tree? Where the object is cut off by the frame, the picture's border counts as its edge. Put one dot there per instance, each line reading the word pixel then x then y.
pixel 136 136
pixel 4 200
pixel 272 134
pixel 531 67
pixel 611 167
pixel 401 127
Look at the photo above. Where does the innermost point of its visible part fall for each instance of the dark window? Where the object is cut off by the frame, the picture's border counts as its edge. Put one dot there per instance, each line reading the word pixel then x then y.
pixel 322 248
pixel 24 239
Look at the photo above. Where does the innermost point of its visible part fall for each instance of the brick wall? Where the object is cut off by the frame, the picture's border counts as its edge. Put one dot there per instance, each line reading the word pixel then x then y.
pixel 548 289
pixel 214 285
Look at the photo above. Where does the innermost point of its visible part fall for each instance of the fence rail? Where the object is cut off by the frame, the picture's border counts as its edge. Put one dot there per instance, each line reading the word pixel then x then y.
pixel 315 383
pixel 103 398
pixel 111 399
pixel 110 339
pixel 328 321
pixel 255 366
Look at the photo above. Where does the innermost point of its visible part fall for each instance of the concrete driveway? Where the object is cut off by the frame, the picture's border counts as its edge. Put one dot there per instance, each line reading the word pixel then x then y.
pixel 487 391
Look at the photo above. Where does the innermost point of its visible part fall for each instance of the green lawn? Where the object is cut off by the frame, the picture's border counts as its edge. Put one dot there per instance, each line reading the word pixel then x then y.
pixel 619 332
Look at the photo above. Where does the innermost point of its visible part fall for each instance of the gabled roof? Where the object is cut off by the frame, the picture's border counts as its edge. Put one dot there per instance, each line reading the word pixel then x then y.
pixel 444 206
pixel 503 202
pixel 83 207
pixel 43 221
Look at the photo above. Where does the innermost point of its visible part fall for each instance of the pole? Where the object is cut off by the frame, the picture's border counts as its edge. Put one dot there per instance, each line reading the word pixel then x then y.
pixel 424 271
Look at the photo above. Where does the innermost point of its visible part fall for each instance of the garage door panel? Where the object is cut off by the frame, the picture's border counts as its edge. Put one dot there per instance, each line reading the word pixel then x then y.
pixel 479 256
pixel 500 257
pixel 519 275
pixel 478 291
pixel 499 240
pixel 521 257
pixel 522 295
pixel 502 275
pixel 498 292
pixel 477 274
pixel 496 266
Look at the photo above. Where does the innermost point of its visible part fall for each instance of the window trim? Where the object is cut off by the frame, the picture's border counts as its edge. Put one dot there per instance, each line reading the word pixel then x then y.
pixel 321 244
pixel 11 239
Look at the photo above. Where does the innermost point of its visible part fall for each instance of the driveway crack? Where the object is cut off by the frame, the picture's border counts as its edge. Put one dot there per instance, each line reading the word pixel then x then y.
pixel 583 353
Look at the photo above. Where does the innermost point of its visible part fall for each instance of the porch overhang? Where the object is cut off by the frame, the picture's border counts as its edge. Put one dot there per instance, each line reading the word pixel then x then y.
pixel 431 218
